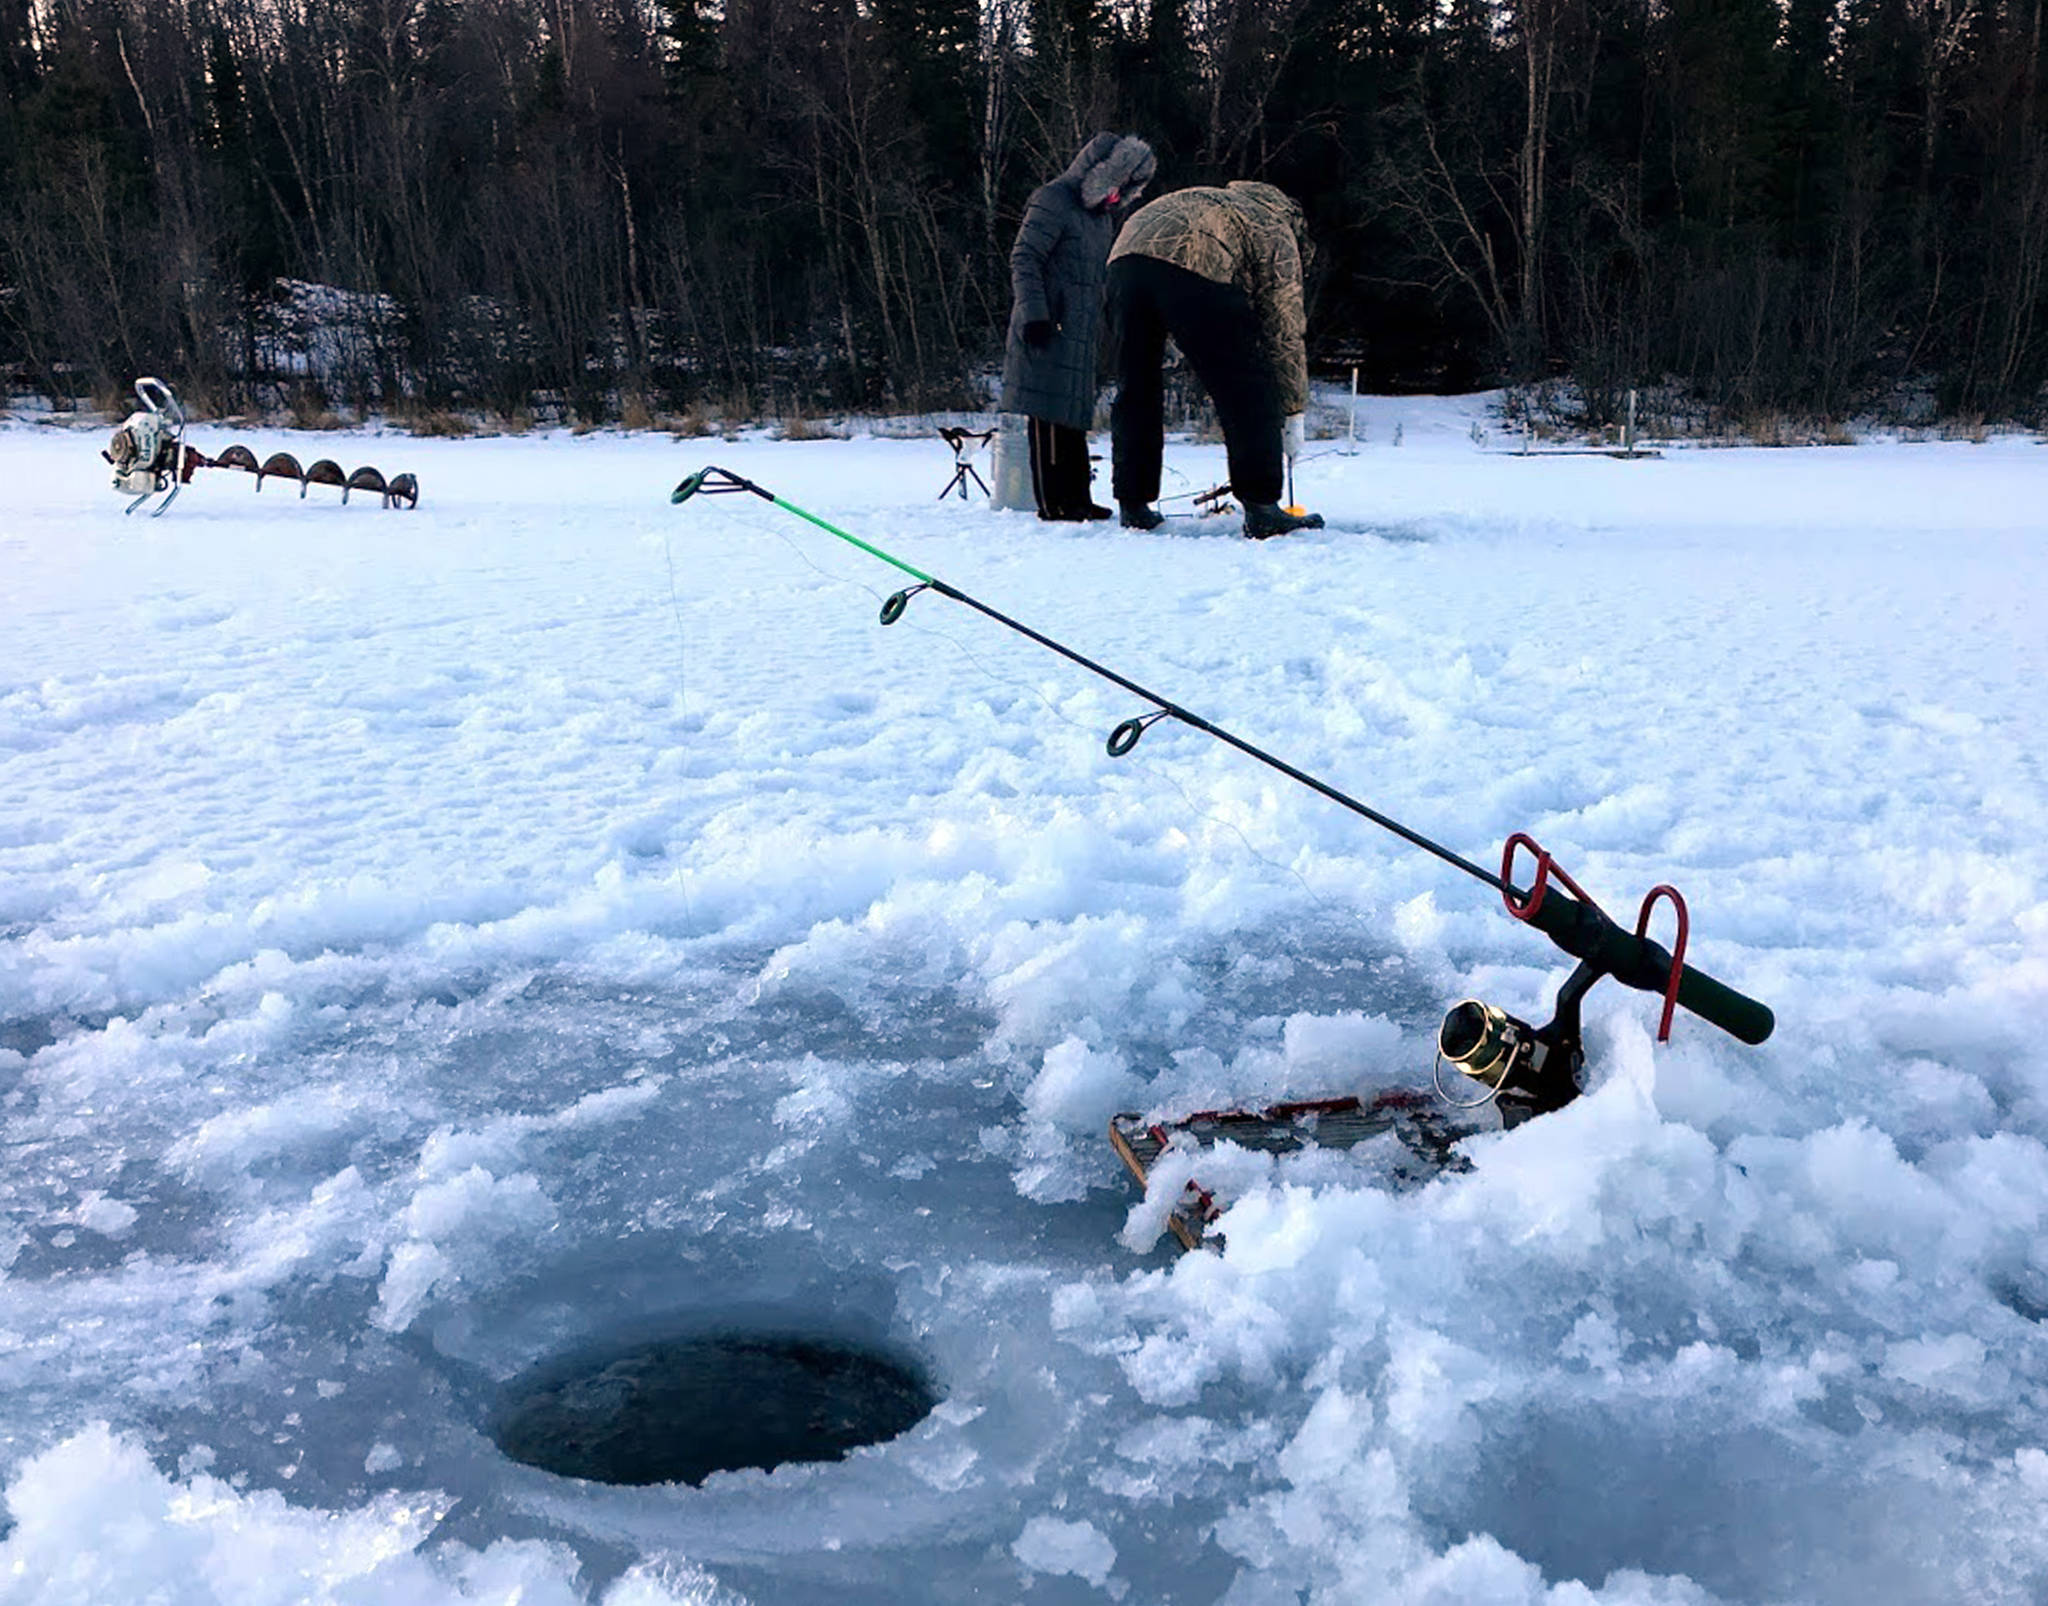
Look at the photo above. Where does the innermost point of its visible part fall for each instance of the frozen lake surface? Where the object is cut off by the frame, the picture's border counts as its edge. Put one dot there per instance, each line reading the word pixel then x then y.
pixel 434 944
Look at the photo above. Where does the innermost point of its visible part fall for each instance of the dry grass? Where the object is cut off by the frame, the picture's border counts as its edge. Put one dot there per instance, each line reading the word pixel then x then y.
pixel 694 424
pixel 1767 429
pixel 797 427
pixel 434 422
pixel 1770 428
pixel 308 409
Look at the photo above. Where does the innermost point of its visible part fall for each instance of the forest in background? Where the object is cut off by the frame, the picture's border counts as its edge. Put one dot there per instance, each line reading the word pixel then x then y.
pixel 600 209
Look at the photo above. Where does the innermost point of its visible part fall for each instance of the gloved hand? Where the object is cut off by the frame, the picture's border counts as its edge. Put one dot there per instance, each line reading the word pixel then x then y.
pixel 1293 436
pixel 1039 332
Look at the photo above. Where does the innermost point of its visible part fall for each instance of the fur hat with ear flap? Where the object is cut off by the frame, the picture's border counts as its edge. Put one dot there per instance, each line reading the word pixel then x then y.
pixel 1119 177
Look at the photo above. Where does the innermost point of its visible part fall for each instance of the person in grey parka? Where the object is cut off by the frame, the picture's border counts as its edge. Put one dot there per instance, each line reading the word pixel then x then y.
pixel 1057 269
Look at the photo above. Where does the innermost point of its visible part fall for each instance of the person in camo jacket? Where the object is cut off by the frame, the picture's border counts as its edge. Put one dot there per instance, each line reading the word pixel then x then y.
pixel 1056 273
pixel 1220 271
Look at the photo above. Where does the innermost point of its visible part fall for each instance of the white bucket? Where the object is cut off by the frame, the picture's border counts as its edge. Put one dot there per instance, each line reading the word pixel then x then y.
pixel 1010 472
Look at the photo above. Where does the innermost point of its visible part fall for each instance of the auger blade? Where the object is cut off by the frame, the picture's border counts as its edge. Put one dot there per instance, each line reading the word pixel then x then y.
pixel 283 466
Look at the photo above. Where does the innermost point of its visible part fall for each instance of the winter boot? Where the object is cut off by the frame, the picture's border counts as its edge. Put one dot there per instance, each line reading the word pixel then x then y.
pixel 1263 519
pixel 1141 516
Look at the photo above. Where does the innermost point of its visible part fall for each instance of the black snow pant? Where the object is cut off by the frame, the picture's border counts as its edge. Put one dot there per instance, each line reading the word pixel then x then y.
pixel 1218 332
pixel 1059 470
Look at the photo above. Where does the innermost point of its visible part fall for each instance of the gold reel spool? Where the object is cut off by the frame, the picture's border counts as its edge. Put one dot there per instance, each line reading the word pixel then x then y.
pixel 1484 1042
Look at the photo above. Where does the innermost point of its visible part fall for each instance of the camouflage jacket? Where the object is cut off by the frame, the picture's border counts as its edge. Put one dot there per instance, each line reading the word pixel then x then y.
pixel 1250 235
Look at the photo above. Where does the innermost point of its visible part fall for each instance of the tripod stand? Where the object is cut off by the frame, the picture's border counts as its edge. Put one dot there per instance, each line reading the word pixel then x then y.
pixel 965 443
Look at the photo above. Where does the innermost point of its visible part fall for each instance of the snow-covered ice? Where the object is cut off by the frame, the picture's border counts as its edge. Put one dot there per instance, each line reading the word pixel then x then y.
pixel 431 942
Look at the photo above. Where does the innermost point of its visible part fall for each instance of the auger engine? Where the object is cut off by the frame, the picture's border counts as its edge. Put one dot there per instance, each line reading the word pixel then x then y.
pixel 147 451
pixel 150 458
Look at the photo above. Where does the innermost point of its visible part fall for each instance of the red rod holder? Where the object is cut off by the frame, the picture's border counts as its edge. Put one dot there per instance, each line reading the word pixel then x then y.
pixel 1677 951
pixel 1546 867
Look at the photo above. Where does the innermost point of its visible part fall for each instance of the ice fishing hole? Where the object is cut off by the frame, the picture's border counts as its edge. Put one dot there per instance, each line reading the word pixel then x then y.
pixel 676 1410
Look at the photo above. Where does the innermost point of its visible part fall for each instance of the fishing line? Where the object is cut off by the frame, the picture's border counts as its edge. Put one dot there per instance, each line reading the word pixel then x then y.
pixel 675 604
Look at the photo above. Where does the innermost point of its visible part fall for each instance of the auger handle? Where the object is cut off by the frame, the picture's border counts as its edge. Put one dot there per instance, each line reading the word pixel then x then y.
pixel 159 398
pixel 1584 932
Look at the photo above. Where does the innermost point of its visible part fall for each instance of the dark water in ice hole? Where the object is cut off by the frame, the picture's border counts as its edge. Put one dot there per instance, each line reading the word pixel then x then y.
pixel 677 1410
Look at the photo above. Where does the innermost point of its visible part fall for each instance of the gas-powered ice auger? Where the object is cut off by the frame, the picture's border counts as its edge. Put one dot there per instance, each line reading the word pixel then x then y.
pixel 150 458
pixel 1527 1070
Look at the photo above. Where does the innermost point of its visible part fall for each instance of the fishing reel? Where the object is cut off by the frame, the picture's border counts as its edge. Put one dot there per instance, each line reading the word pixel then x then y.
pixel 1532 1070
pixel 1526 1070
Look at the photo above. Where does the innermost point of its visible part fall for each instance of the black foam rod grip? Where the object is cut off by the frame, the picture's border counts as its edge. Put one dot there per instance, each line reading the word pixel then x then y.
pixel 1585 933
pixel 1718 1004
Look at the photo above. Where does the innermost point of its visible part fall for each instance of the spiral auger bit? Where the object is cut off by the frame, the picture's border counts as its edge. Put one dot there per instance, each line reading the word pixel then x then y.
pixel 150 459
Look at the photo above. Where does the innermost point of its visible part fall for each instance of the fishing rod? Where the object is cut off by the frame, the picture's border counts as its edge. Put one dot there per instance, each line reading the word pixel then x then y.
pixel 1527 1070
